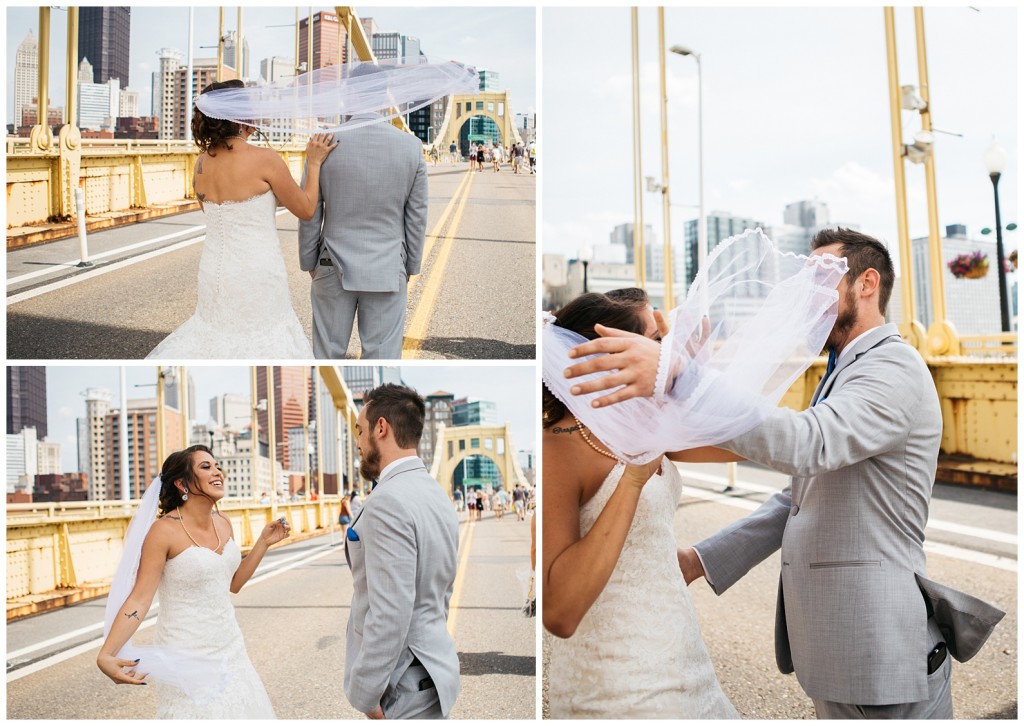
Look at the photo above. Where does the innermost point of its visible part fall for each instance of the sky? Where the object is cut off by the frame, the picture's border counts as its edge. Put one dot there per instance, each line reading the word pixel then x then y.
pixel 463 34
pixel 796 106
pixel 512 388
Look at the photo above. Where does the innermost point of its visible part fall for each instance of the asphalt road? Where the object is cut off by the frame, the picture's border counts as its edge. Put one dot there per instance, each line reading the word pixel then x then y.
pixel 294 629
pixel 144 283
pixel 739 626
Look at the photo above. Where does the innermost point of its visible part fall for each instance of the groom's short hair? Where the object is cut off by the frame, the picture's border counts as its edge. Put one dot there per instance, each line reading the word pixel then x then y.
pixel 862 253
pixel 401 407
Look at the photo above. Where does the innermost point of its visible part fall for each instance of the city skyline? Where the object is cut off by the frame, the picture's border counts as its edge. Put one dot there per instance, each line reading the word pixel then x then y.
pixel 444 33
pixel 808 120
pixel 65 383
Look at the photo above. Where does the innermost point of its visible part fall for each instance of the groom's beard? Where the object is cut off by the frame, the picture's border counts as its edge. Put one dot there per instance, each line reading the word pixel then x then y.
pixel 844 323
pixel 369 467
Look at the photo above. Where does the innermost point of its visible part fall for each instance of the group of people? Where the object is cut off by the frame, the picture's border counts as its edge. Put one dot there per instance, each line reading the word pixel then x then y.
pixel 517 155
pixel 477 501
pixel 400 660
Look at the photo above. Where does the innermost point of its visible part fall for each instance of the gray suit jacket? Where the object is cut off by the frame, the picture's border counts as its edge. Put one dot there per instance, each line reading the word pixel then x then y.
pixel 371 218
pixel 403 569
pixel 853 600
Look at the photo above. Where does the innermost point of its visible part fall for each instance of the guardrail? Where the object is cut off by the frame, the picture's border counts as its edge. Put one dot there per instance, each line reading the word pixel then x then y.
pixel 116 175
pixel 80 543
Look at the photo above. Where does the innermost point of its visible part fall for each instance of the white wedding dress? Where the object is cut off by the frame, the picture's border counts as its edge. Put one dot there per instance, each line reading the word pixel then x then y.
pixel 638 652
pixel 197 618
pixel 244 308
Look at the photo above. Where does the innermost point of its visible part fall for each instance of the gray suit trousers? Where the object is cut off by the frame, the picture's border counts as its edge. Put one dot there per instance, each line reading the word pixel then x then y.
pixel 381 318
pixel 406 700
pixel 939 704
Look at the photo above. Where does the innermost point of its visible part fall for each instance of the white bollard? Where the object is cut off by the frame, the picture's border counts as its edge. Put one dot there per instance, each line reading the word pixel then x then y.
pixel 83 242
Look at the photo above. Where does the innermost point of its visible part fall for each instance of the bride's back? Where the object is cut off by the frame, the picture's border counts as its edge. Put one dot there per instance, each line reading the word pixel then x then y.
pixel 231 174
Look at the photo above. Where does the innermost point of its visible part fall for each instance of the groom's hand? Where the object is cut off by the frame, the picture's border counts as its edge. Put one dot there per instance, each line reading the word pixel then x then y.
pixel 634 358
pixel 376 714
pixel 689 564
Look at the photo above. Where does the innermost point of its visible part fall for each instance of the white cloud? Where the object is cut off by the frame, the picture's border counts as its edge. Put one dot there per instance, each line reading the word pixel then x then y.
pixel 66 412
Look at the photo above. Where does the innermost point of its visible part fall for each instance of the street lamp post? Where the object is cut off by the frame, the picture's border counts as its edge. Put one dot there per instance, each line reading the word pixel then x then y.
pixel 702 224
pixel 584 255
pixel 995 160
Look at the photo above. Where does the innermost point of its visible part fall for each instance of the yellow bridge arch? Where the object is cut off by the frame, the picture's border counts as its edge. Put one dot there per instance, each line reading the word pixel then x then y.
pixel 495 105
pixel 460 442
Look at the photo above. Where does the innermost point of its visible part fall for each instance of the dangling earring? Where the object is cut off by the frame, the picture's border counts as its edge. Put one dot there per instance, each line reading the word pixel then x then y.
pixel 184 496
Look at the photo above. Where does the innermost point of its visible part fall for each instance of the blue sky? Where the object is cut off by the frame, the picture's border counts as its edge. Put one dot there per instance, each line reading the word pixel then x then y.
pixel 512 388
pixel 796 106
pixel 464 34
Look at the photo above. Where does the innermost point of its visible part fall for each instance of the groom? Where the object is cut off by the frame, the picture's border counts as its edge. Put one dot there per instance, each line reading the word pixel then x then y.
pixel 400 661
pixel 867 634
pixel 366 237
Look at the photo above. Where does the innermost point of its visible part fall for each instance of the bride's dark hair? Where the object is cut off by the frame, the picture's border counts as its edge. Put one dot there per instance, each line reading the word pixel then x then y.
pixel 622 309
pixel 210 133
pixel 178 467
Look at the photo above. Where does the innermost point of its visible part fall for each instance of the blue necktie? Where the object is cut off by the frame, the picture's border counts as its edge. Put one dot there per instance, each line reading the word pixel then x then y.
pixel 828 370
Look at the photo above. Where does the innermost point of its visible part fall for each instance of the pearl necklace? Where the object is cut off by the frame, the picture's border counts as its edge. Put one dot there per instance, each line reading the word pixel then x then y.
pixel 591 444
pixel 182 520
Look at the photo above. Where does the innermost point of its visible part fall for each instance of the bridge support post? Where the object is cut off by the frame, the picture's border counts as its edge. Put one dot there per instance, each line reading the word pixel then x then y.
pixel 67 564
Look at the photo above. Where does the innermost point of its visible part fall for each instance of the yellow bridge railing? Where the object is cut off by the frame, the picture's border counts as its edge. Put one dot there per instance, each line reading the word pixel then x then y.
pixel 75 547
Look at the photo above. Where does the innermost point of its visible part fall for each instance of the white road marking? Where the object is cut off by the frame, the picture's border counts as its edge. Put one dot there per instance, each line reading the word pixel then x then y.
pixel 108 253
pixel 960 553
pixel 74 279
pixel 280 566
pixel 941 525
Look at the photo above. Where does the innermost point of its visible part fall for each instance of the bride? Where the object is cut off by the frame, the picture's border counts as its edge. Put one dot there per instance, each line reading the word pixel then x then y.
pixel 244 308
pixel 190 558
pixel 610 562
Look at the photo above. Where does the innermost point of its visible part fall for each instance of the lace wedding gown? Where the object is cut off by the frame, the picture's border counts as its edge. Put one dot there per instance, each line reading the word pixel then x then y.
pixel 638 652
pixel 244 308
pixel 197 617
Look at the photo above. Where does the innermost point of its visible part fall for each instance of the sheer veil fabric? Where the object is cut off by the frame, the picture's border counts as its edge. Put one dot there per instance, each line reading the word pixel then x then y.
pixel 320 101
pixel 197 676
pixel 755 318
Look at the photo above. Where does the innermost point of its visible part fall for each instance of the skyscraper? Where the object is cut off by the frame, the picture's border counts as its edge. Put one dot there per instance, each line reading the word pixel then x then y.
pixel 204 72
pixel 104 36
pixel 231 411
pixel 276 68
pixel 164 96
pixel 721 226
pixel 26 399
pixel 143 465
pixel 290 387
pixel 91 444
pixel 26 75
pixel 230 59
pixel 329 41
pixel 438 413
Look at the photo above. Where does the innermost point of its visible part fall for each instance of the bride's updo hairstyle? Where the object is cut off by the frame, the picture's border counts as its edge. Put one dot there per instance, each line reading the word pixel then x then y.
pixel 210 133
pixel 178 467
pixel 623 309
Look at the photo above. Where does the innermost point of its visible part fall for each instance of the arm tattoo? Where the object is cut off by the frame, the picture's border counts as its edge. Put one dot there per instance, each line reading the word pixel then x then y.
pixel 133 614
pixel 560 430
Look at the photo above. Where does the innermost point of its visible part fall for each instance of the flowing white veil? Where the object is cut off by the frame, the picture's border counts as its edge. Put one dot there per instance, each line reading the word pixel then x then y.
pixel 754 320
pixel 198 676
pixel 319 101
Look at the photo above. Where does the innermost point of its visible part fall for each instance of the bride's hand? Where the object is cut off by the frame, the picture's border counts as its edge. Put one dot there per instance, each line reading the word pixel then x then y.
pixel 275 531
pixel 640 474
pixel 318 148
pixel 113 667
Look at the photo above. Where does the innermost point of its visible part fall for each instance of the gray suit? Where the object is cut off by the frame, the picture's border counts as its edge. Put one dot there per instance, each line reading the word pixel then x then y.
pixel 371 223
pixel 403 570
pixel 853 607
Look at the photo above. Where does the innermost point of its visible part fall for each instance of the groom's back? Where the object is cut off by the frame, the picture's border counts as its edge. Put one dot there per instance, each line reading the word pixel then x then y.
pixel 367 185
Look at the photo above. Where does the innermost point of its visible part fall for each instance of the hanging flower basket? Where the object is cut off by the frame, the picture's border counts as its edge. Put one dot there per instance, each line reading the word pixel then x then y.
pixel 972 266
